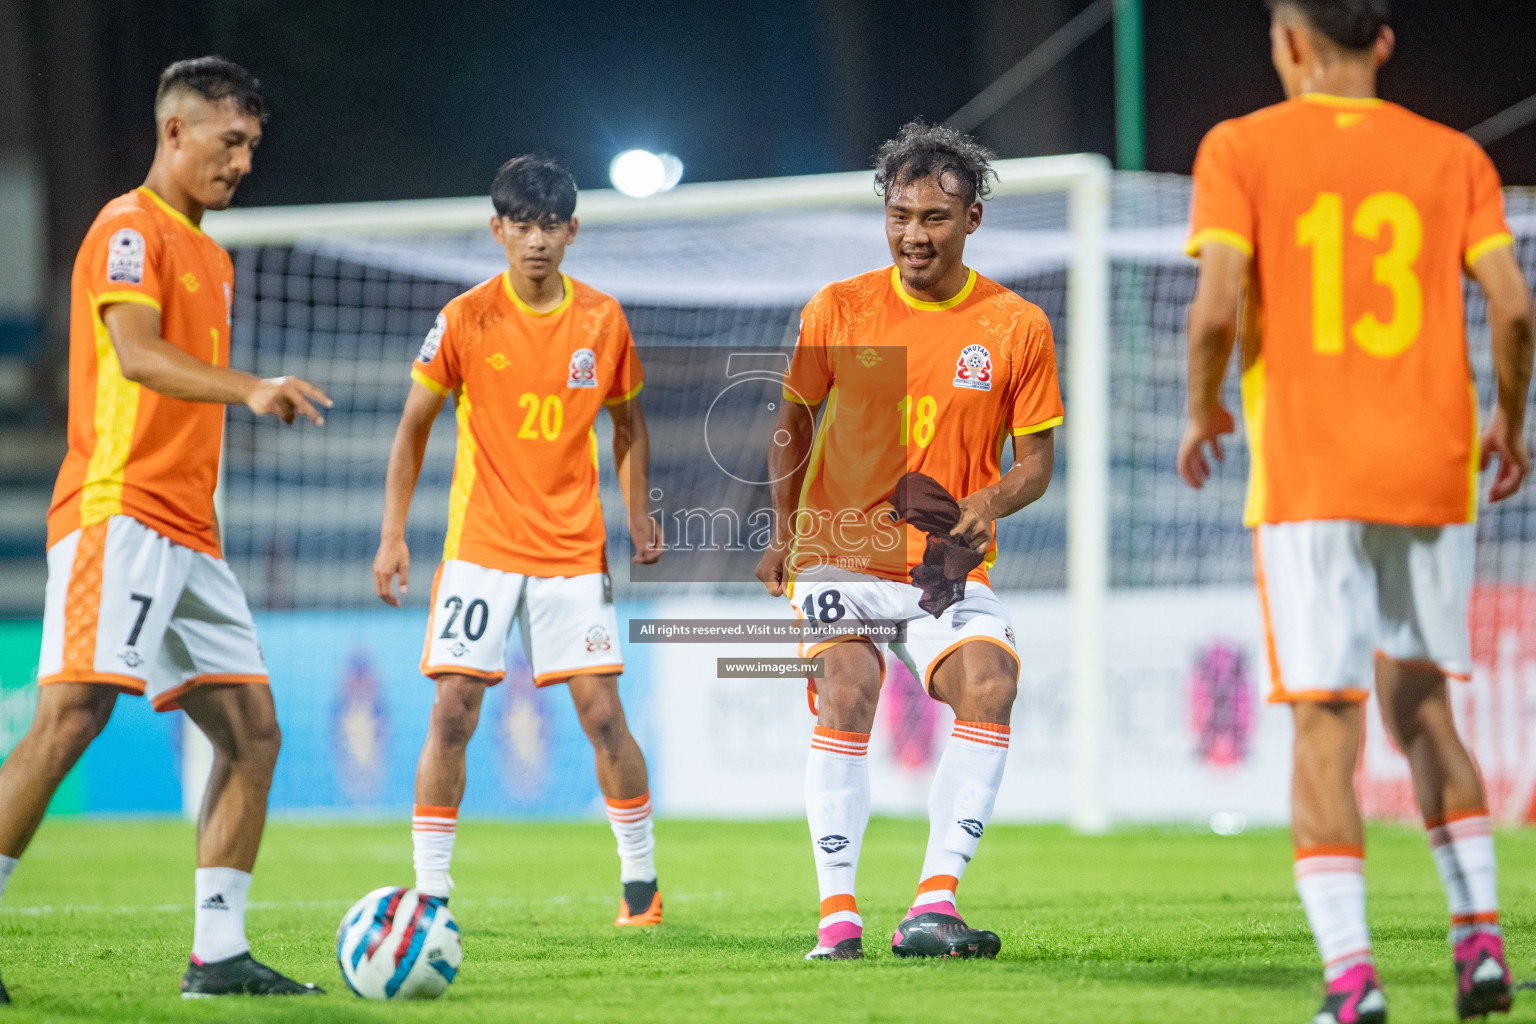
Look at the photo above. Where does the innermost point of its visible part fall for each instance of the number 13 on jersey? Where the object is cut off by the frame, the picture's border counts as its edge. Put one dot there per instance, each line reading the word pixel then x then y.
pixel 1321 229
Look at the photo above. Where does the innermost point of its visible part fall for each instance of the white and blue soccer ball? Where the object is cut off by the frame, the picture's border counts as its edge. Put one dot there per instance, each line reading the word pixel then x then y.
pixel 398 944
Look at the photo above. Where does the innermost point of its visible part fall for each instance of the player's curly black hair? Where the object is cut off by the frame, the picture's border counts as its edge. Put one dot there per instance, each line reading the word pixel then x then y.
pixel 921 149
pixel 1352 24
pixel 215 79
pixel 534 187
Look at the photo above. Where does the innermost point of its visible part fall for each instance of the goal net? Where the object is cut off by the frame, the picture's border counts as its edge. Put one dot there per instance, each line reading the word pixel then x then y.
pixel 1132 595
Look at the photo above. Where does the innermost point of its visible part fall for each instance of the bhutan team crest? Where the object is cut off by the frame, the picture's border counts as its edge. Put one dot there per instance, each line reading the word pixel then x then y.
pixel 583 369
pixel 597 640
pixel 974 368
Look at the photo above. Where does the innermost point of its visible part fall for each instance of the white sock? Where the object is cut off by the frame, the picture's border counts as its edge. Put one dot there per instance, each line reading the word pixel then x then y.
pixel 636 836
pixel 1462 845
pixel 218 921
pixel 837 810
pixel 959 807
pixel 432 832
pixel 7 865
pixel 1331 881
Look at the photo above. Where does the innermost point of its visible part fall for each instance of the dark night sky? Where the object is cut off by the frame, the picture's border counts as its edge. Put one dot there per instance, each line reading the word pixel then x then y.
pixel 396 99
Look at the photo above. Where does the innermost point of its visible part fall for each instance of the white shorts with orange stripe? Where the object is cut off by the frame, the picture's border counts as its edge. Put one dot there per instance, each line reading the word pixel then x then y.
pixel 839 593
pixel 129 608
pixel 1337 592
pixel 569 626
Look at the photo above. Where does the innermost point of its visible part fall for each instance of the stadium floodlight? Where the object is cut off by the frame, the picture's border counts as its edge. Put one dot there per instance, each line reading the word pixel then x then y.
pixel 639 173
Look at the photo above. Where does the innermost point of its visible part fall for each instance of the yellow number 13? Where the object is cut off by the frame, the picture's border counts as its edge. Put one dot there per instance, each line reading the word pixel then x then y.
pixel 1321 229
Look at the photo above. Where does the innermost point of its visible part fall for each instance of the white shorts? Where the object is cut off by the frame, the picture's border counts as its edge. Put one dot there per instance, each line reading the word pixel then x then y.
pixel 979 616
pixel 128 608
pixel 1337 592
pixel 568 623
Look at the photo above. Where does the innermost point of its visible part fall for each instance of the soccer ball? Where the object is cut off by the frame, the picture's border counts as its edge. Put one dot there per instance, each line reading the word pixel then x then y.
pixel 398 944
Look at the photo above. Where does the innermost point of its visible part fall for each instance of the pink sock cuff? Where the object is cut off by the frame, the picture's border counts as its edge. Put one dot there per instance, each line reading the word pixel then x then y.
pixel 831 934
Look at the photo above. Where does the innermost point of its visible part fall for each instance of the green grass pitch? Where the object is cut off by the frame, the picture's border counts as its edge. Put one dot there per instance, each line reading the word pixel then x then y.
pixel 1142 925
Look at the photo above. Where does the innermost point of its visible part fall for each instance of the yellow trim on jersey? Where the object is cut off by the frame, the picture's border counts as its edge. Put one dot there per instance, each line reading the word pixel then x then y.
pixel 565 282
pixel 954 300
pixel 1054 421
pixel 168 208
pixel 111 298
pixel 1253 420
pixel 420 377
pixel 592 434
pixel 1487 245
pixel 1348 102
pixel 116 412
pixel 621 399
pixel 794 396
pixel 1198 240
pixel 818 450
pixel 463 480
pixel 1475 462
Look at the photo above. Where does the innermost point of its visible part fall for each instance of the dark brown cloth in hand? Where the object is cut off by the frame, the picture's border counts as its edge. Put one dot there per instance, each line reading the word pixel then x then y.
pixel 922 501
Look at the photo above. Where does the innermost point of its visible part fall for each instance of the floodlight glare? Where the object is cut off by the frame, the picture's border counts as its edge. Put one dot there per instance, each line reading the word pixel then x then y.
pixel 640 173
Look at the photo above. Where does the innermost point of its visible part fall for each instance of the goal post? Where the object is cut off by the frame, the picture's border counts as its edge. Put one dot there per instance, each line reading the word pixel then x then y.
pixel 1076 189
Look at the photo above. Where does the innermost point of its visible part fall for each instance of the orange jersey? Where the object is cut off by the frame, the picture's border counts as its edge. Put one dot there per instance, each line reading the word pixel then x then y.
pixel 910 386
pixel 1359 216
pixel 131 451
pixel 528 387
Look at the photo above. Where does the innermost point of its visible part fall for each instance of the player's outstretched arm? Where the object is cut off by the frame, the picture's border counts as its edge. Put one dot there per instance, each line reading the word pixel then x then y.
pixel 405 455
pixel 632 460
pixel 788 452
pixel 150 360
pixel 1034 458
pixel 1213 321
pixel 1514 343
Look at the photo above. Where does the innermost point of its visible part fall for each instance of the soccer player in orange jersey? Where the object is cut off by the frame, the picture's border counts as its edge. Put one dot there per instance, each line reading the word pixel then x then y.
pixel 921 371
pixel 1349 221
pixel 140 600
pixel 530 358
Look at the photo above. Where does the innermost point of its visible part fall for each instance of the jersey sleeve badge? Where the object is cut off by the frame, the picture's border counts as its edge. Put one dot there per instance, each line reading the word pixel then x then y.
pixel 583 371
pixel 433 340
pixel 125 257
pixel 973 369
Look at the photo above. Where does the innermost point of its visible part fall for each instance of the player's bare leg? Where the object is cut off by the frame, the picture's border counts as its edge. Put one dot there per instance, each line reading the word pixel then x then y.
pixel 1416 708
pixel 837 791
pixel 440 775
pixel 1330 855
pixel 241 723
pixel 68 717
pixel 979 681
pixel 621 775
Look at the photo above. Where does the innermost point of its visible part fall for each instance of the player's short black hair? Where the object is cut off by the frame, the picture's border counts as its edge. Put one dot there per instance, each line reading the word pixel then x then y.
pixel 215 79
pixel 1352 24
pixel 921 149
pixel 534 188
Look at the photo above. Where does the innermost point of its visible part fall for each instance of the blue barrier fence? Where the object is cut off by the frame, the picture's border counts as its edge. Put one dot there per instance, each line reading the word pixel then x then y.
pixel 353 707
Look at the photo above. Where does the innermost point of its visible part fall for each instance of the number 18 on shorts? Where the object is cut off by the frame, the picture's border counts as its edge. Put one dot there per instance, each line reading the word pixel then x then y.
pixel 568 624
